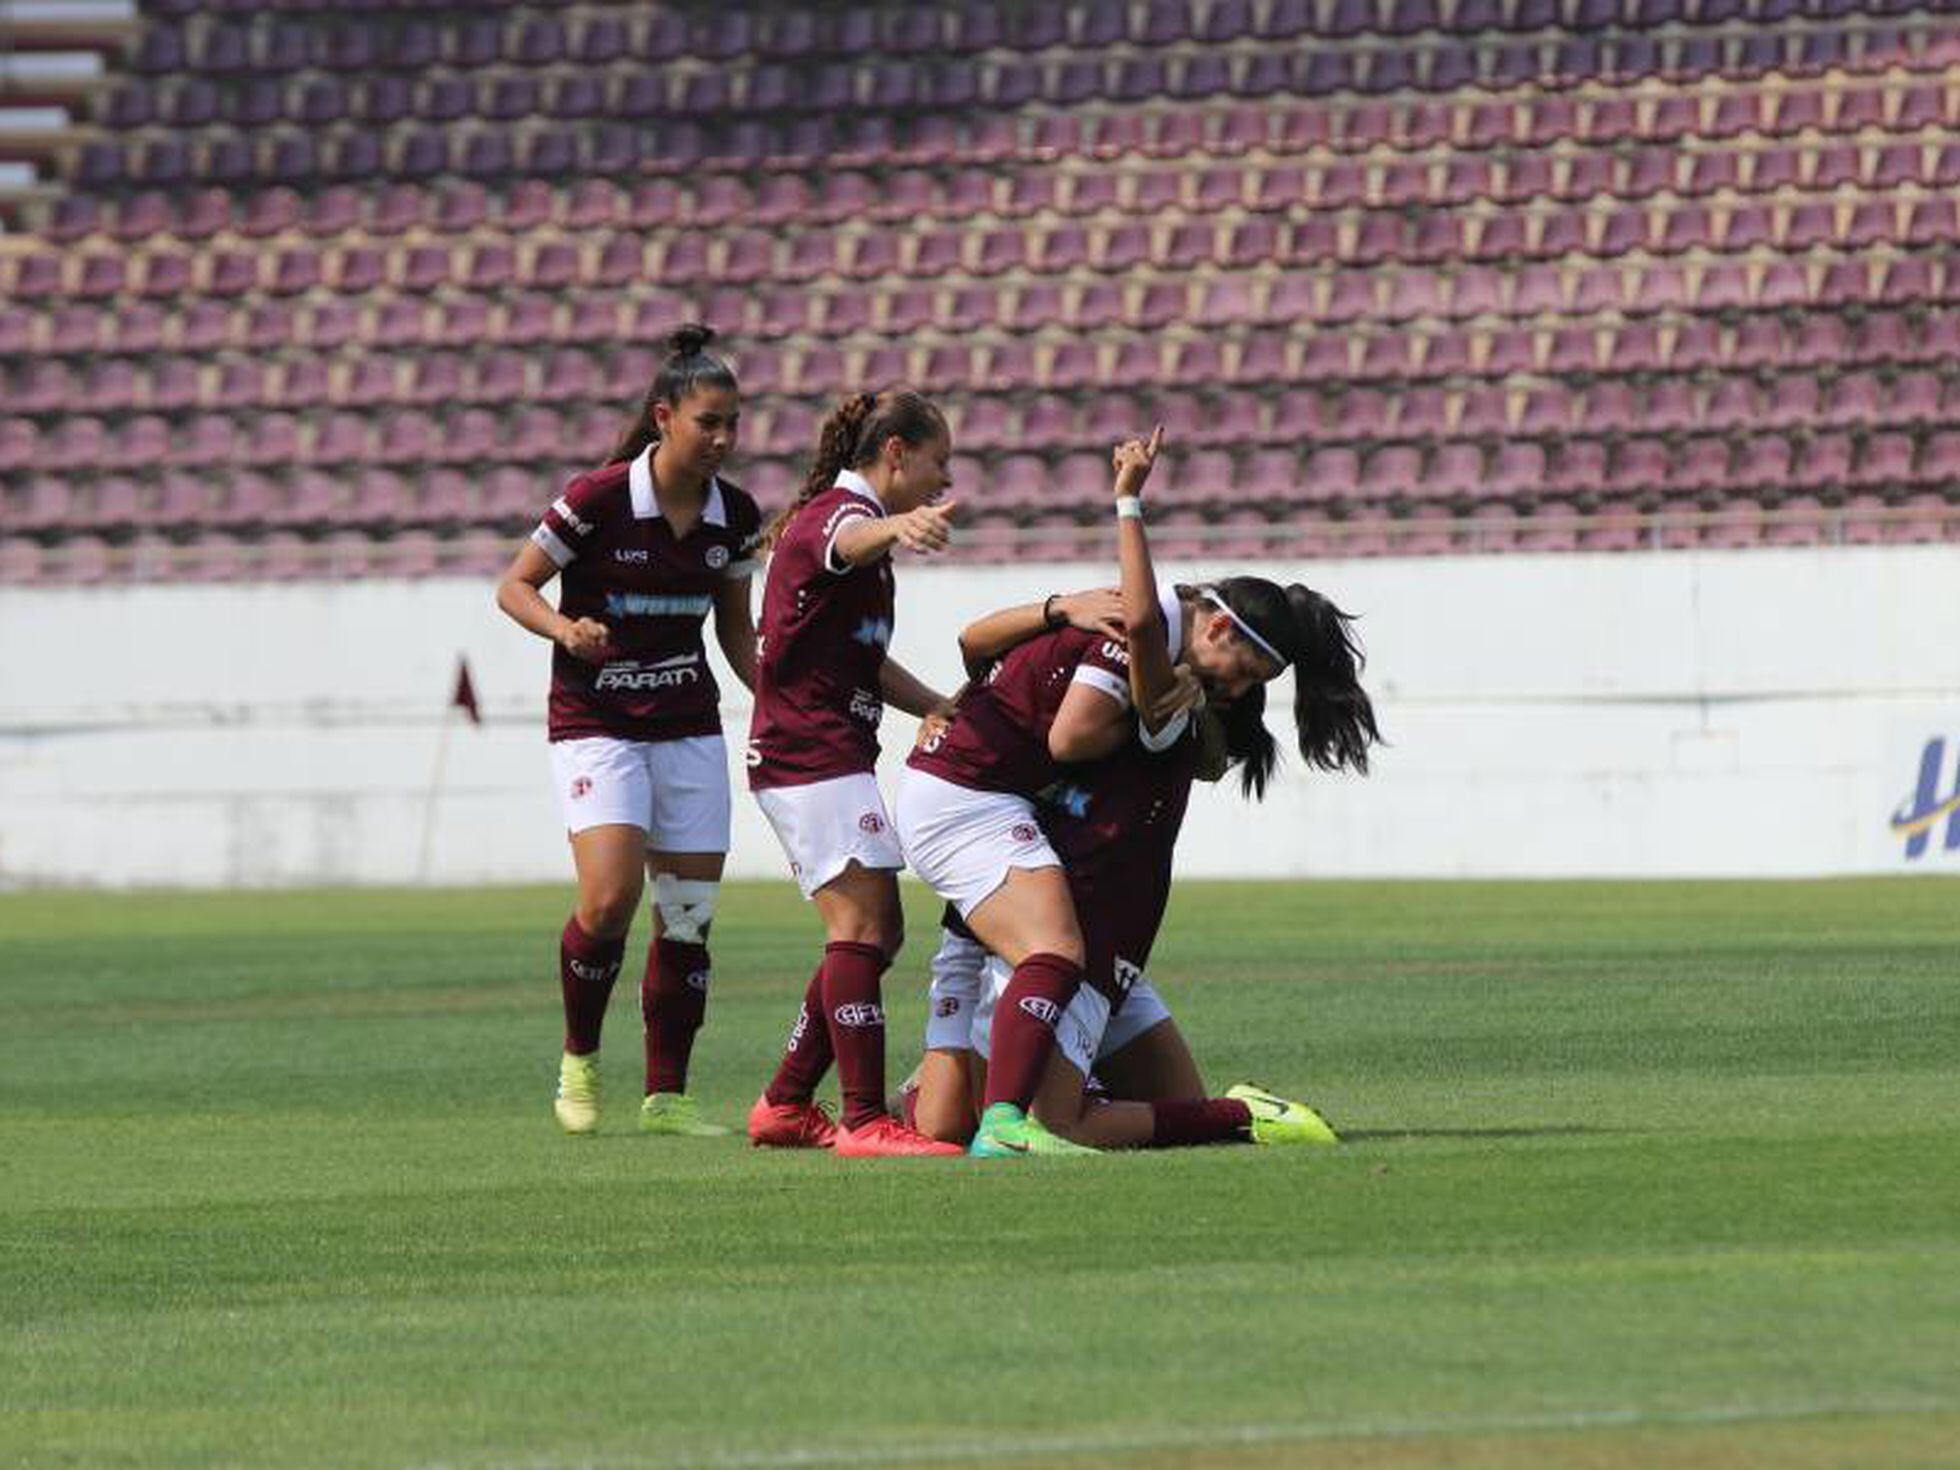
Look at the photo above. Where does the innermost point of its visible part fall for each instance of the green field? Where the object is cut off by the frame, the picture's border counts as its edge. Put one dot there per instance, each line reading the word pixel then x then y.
pixel 1638 1175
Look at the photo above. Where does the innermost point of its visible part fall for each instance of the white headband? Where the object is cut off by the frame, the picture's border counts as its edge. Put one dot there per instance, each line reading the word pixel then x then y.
pixel 1210 594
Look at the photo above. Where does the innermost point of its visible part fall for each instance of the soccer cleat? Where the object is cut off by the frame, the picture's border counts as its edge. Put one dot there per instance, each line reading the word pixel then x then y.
pixel 884 1137
pixel 577 1103
pixel 790 1125
pixel 1005 1132
pixel 1277 1120
pixel 676 1115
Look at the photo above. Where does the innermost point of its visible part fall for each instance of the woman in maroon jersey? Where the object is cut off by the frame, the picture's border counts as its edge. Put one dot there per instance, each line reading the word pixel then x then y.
pixel 966 800
pixel 823 678
pixel 647 546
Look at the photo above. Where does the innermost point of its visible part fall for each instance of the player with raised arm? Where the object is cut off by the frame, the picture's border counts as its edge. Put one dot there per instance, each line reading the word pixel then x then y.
pixel 1115 825
pixel 645 547
pixel 980 846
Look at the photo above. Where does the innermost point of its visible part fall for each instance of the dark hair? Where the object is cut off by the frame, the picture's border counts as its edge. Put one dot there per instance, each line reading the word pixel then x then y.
pixel 1331 711
pixel 854 433
pixel 688 366
pixel 1249 745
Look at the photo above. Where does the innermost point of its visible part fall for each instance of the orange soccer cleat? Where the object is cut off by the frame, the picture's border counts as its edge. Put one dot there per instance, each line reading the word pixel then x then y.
pixel 790 1125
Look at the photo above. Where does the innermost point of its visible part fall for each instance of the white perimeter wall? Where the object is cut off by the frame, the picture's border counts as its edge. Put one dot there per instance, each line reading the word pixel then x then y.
pixel 1747 713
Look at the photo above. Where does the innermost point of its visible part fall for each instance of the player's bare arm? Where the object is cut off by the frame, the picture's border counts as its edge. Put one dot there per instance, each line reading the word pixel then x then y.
pixel 521 596
pixel 925 528
pixel 1154 685
pixel 735 627
pixel 905 691
pixel 1098 610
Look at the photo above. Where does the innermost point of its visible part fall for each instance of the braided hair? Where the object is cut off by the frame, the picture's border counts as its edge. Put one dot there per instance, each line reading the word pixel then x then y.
pixel 854 434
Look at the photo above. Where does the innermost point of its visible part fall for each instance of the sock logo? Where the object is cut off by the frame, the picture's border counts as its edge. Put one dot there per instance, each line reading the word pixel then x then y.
pixel 596 973
pixel 797 1031
pixel 699 981
pixel 1042 1009
pixel 860 1013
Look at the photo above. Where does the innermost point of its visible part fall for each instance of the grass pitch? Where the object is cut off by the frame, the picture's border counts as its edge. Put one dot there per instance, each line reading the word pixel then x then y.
pixel 1639 1175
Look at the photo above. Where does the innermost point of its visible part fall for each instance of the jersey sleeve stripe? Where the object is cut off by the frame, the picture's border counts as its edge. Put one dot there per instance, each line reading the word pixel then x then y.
pixel 554 548
pixel 1097 678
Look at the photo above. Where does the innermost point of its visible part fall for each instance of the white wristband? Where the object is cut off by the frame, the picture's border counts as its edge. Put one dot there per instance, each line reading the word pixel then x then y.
pixel 1129 508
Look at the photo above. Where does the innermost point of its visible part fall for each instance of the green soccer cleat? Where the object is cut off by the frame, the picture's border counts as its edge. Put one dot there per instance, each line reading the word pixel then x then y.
pixel 676 1115
pixel 1277 1120
pixel 1006 1132
pixel 577 1103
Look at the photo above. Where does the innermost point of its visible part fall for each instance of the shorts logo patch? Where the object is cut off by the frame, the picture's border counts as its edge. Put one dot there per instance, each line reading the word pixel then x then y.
pixel 946 1005
pixel 1024 832
pixel 871 822
pixel 717 557
pixel 698 981
pixel 581 787
pixel 1042 1009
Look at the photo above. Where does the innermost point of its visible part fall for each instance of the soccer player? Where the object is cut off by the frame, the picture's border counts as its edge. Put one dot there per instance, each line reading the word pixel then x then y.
pixel 823 678
pixel 646 546
pixel 966 804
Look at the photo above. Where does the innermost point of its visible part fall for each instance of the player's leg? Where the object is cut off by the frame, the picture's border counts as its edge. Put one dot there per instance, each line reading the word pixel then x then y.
pixel 688 846
pixel 1029 922
pixel 605 802
pixel 863 929
pixel 674 988
pixel 945 1104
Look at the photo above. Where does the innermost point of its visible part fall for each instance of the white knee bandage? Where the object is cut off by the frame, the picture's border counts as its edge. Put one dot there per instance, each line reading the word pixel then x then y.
pixel 686 905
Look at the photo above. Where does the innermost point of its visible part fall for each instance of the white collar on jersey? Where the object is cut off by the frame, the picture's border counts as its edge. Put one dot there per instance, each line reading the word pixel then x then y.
pixel 646 507
pixel 1173 616
pixel 852 481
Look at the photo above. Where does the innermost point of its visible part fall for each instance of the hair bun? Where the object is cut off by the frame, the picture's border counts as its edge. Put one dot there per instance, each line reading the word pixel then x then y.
pixel 690 338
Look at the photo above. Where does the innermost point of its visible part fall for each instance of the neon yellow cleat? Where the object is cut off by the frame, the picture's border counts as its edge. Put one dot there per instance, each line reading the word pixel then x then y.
pixel 1006 1132
pixel 676 1115
pixel 1278 1120
pixel 577 1103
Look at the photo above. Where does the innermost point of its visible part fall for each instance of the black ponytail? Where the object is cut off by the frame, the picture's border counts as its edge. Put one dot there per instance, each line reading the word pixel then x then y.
pixel 1249 745
pixel 1332 713
pixel 689 366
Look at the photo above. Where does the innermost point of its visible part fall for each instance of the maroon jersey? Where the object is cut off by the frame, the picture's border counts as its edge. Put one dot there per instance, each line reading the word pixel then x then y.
pixel 1114 824
pixel 998 740
pixel 620 562
pixel 825 627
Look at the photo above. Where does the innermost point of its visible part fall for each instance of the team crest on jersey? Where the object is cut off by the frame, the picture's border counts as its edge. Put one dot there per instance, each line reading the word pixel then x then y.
pixel 871 822
pixel 1024 831
pixel 581 787
pixel 717 557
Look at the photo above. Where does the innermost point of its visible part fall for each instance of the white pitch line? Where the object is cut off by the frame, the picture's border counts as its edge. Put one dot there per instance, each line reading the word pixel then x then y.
pixel 1228 1436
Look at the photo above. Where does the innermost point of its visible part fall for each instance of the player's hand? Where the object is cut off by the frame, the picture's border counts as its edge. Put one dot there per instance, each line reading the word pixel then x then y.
pixel 1133 460
pixel 1185 693
pixel 927 528
pixel 587 639
pixel 1099 610
pixel 933 728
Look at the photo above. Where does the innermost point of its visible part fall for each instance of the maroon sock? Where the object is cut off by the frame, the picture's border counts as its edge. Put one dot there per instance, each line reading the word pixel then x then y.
pixel 1024 1026
pixel 1207 1120
pixel 854 1012
pixel 673 1003
pixel 587 968
pixel 808 1055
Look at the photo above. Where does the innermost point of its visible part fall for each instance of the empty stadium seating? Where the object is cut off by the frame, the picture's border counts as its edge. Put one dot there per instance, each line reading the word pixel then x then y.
pixel 346 290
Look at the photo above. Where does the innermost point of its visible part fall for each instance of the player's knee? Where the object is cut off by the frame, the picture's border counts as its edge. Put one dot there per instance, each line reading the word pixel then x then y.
pixel 605 910
pixel 686 906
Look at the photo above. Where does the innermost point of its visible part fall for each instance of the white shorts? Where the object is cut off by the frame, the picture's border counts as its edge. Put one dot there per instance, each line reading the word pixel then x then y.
pixel 964 842
pixel 1087 1032
pixel 959 973
pixel 826 826
pixel 675 791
